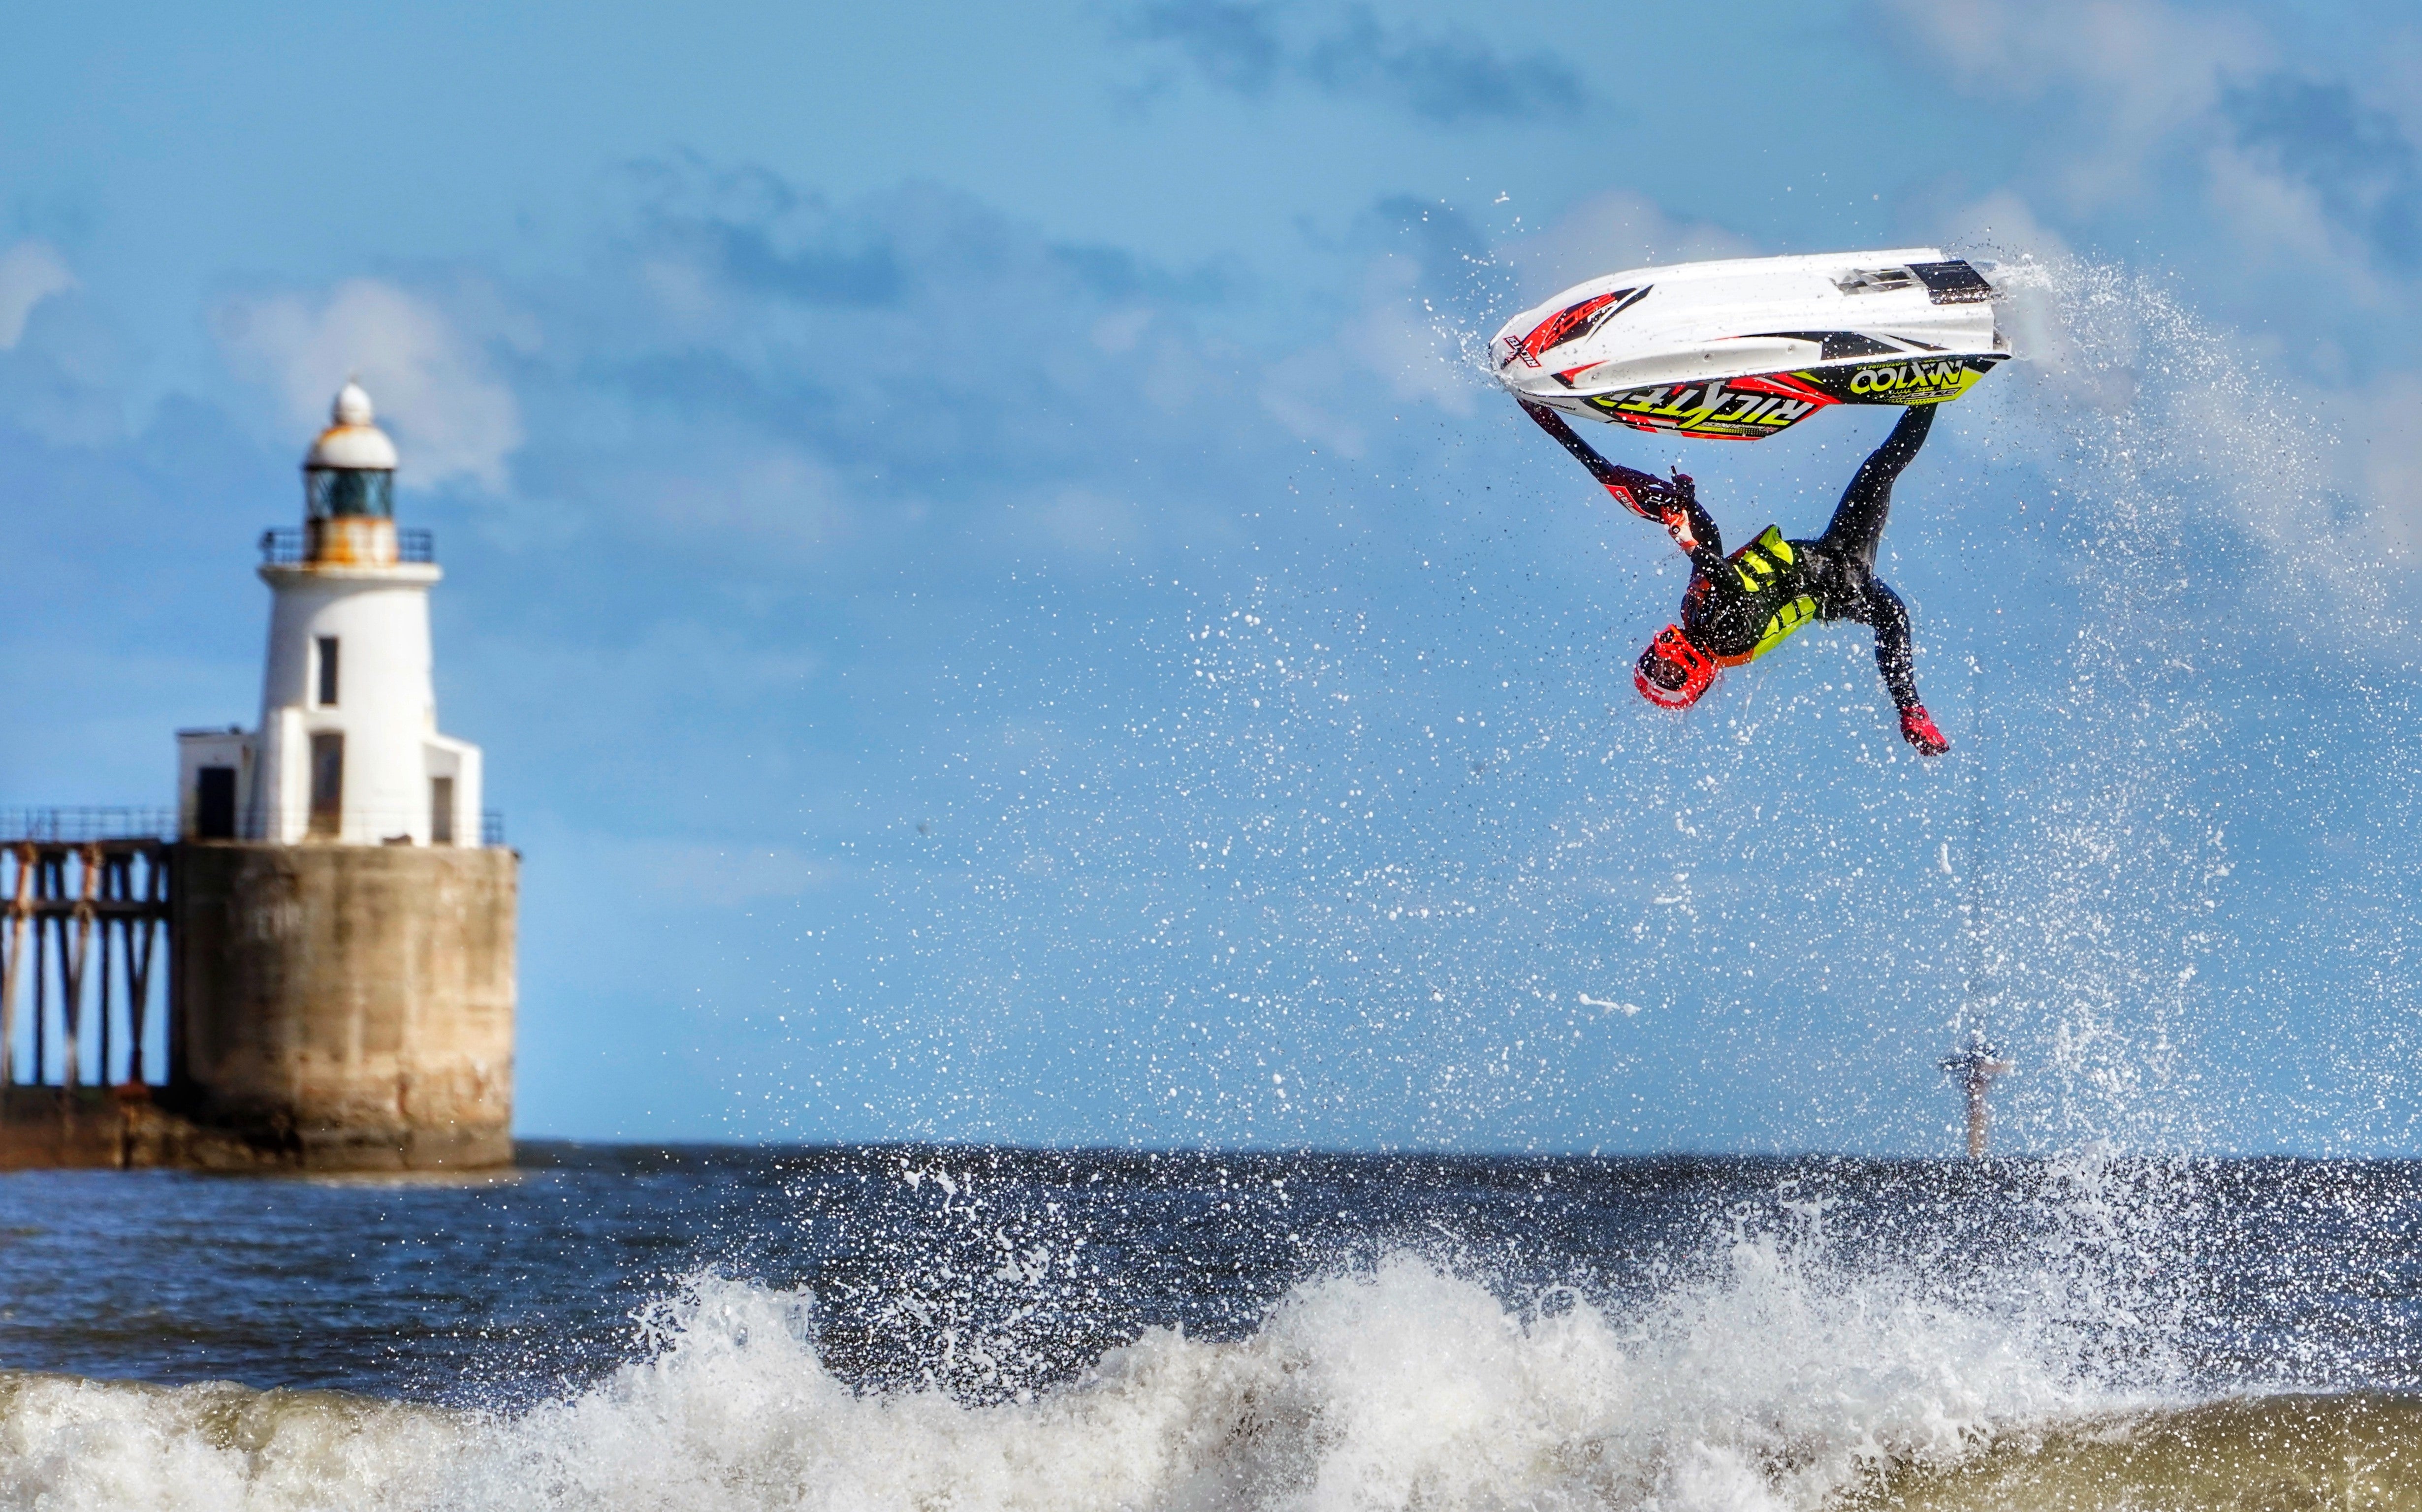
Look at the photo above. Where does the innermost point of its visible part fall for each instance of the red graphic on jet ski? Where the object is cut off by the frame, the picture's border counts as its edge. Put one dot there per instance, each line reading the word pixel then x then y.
pixel 1570 325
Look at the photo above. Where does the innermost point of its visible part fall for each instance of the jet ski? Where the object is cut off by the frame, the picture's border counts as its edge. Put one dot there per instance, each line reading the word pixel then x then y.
pixel 1744 348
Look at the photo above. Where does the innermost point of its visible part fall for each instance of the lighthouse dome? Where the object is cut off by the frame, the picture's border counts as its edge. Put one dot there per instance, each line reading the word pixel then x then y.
pixel 354 440
pixel 351 468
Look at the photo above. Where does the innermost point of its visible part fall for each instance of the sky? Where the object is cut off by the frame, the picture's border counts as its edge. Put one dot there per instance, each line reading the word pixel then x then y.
pixel 999 606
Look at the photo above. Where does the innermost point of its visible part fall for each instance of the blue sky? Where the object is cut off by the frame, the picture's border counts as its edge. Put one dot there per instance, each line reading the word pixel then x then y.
pixel 997 608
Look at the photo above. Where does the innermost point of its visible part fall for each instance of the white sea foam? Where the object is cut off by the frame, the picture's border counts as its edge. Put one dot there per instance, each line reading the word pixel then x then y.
pixel 1776 1381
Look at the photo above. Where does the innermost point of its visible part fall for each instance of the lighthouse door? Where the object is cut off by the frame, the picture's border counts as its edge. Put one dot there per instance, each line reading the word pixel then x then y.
pixel 214 803
pixel 327 786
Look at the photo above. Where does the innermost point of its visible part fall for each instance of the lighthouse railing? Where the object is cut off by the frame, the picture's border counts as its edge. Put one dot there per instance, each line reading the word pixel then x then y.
pixel 358 826
pixel 282 547
pixel 91 822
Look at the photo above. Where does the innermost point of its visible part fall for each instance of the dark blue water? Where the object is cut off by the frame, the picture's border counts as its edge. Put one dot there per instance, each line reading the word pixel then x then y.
pixel 988 1273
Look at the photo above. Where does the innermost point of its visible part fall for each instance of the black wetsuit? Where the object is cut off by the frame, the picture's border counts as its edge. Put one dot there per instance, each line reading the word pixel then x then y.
pixel 1742 605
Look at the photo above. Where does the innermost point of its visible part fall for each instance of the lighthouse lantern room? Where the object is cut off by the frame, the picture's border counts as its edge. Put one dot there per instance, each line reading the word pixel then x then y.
pixel 347 750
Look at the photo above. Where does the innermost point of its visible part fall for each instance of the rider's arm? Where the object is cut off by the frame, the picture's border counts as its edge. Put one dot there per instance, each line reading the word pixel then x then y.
pixel 1895 658
pixel 1672 503
pixel 1692 527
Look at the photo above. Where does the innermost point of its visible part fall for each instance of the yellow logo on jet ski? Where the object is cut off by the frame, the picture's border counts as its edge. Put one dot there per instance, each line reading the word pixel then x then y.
pixel 1913 382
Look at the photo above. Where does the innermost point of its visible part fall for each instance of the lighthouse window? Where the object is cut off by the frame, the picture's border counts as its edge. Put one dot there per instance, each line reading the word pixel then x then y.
pixel 441 810
pixel 327 785
pixel 327 657
pixel 332 490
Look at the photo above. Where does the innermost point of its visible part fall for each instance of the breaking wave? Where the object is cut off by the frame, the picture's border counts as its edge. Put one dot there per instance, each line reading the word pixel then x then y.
pixel 1779 1375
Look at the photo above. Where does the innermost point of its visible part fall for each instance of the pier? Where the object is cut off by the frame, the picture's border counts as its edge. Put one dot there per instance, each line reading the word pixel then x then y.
pixel 84 915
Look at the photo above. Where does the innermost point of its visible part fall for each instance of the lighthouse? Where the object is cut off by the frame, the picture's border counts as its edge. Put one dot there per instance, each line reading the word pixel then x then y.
pixel 347 750
pixel 341 919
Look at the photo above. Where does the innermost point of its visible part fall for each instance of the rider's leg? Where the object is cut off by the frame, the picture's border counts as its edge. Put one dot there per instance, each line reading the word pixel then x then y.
pixel 1858 525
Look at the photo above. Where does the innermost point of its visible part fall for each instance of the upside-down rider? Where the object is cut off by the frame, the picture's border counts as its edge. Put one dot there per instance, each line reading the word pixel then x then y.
pixel 1741 606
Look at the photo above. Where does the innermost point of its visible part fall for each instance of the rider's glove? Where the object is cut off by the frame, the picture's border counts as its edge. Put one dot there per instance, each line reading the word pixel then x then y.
pixel 1917 728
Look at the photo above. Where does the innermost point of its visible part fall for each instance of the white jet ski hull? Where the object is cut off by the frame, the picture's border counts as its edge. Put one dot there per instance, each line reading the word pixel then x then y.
pixel 1742 349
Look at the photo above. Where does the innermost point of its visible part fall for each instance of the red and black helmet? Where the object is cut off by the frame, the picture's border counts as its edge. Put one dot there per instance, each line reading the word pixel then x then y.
pixel 1673 673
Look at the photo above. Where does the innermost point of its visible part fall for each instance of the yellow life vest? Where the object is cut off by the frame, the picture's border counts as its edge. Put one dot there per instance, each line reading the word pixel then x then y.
pixel 1759 564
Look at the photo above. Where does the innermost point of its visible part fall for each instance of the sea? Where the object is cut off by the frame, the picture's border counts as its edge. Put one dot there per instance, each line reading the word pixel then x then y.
pixel 933 1326
pixel 2123 1324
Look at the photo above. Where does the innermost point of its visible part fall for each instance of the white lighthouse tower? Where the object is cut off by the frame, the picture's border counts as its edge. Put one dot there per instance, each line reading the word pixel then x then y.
pixel 341 927
pixel 347 750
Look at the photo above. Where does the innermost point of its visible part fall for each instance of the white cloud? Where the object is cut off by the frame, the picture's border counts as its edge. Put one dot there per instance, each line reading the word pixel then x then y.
pixel 1312 394
pixel 2396 66
pixel 2144 68
pixel 1092 523
pixel 1414 353
pixel 719 876
pixel 2038 273
pixel 2391 463
pixel 1119 331
pixel 30 272
pixel 2278 222
pixel 1419 356
pixel 2151 80
pixel 1608 233
pixel 2161 57
pixel 2003 225
pixel 452 416
pixel 763 500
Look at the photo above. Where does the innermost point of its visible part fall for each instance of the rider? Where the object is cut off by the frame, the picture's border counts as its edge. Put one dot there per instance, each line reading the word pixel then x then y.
pixel 1741 606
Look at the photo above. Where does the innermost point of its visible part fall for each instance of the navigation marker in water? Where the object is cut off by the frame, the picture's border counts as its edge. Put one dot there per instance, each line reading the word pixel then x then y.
pixel 1975 1067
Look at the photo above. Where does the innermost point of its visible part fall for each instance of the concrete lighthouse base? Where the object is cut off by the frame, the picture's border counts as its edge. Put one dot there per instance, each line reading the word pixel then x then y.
pixel 346 1007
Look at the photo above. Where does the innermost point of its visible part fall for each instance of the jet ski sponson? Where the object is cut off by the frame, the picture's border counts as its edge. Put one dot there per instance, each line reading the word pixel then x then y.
pixel 1744 348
